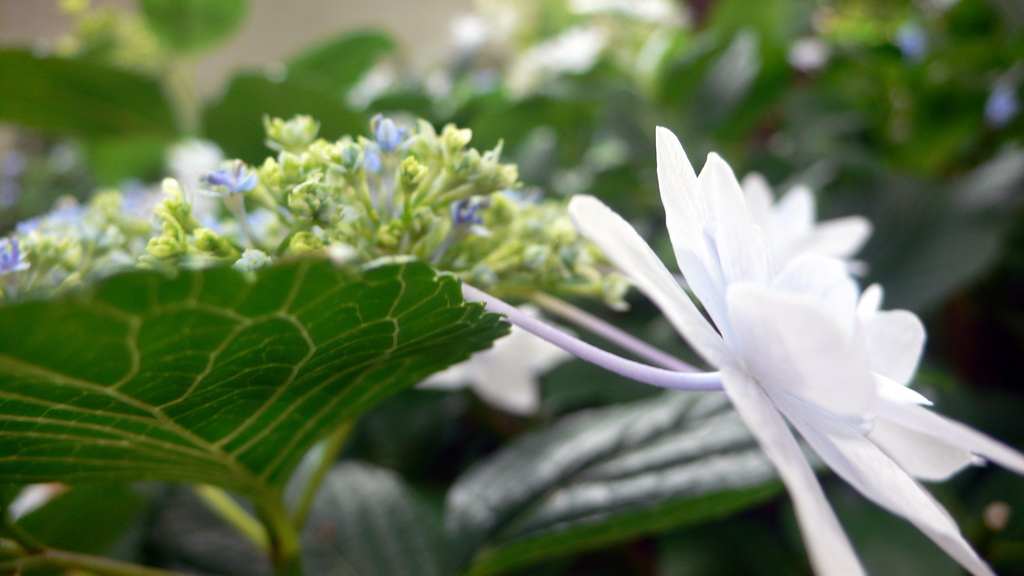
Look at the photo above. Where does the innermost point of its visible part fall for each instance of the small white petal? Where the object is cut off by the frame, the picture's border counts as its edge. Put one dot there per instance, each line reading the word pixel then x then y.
pixel 742 253
pixel 793 217
pixel 840 238
pixel 953 432
pixel 875 475
pixel 894 340
pixel 759 200
pixel 921 455
pixel 628 251
pixel 824 280
pixel 890 390
pixel 870 300
pixel 827 545
pixel 792 345
pixel 689 217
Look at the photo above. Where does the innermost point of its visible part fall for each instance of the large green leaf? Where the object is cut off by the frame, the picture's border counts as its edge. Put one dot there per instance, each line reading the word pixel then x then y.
pixel 62 95
pixel 193 25
pixel 367 521
pixel 211 378
pixel 606 475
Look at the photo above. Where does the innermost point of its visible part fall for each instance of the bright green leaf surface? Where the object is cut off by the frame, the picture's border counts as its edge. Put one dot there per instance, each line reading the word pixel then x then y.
pixel 607 475
pixel 193 25
pixel 211 378
pixel 334 66
pixel 63 95
pixel 366 521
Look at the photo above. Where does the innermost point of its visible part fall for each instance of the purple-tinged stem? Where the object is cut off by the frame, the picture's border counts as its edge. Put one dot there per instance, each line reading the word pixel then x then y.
pixel 703 381
pixel 611 333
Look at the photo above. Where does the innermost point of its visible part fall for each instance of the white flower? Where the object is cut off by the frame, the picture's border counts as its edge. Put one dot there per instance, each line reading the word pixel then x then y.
pixel 574 51
pixel 505 376
pixel 790 224
pixel 799 342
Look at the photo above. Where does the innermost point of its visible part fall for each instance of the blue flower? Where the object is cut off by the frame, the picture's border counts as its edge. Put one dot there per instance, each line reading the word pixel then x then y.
pixel 236 179
pixel 1002 106
pixel 11 257
pixel 466 212
pixel 912 41
pixel 388 136
pixel 371 160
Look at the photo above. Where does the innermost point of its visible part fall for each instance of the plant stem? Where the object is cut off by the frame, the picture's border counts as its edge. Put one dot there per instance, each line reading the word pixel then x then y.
pixel 285 546
pixel 326 453
pixel 700 381
pixel 239 518
pixel 609 332
pixel 96 564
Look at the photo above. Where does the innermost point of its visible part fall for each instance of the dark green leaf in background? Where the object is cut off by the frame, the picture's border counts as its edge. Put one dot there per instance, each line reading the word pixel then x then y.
pixel 334 66
pixel 193 25
pixel 236 122
pixel 604 476
pixel 211 378
pixel 84 98
pixel 367 521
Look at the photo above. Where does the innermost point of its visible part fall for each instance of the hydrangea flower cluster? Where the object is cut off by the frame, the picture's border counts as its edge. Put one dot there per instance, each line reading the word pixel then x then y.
pixel 406 190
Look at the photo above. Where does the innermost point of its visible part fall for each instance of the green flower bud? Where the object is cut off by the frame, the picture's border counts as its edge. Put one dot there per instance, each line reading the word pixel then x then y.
pixel 291 135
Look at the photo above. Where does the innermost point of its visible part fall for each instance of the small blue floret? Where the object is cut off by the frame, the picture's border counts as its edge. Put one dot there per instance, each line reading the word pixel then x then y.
pixel 236 179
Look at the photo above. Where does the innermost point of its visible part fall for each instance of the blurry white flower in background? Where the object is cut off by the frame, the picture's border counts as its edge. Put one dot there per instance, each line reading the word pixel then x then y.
pixel 791 227
pixel 808 54
pixel 507 375
pixel 574 51
pixel 658 11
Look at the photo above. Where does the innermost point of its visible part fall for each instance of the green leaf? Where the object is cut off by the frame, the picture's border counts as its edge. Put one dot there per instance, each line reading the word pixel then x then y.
pixel 334 66
pixel 211 378
pixel 110 510
pixel 193 25
pixel 606 475
pixel 236 122
pixel 62 95
pixel 367 521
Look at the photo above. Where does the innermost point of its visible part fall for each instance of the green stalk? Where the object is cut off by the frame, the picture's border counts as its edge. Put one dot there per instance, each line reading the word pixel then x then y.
pixel 285 545
pixel 84 562
pixel 327 453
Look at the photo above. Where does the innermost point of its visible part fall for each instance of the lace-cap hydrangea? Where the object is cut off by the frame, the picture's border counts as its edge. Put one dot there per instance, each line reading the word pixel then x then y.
pixel 799 341
pixel 406 190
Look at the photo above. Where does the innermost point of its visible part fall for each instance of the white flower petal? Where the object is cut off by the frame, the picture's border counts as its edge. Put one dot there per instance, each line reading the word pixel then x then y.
pixel 759 200
pixel 840 238
pixel 870 300
pixel 628 251
pixel 921 455
pixel 894 340
pixel 690 218
pixel 792 345
pixel 890 390
pixel 742 252
pixel 826 281
pixel 793 217
pixel 827 545
pixel 952 432
pixel 875 475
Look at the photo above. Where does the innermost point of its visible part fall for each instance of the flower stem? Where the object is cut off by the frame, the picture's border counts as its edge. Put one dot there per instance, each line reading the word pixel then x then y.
pixel 609 332
pixel 239 518
pixel 702 381
pixel 285 546
pixel 327 453
pixel 95 564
